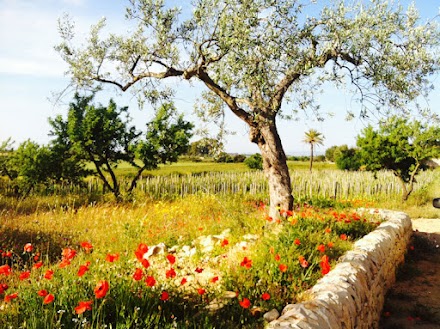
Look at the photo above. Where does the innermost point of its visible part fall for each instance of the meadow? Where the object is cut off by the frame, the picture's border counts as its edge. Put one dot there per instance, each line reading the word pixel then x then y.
pixel 192 248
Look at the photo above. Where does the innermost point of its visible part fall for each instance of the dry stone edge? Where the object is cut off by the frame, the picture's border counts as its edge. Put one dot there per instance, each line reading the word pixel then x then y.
pixel 352 294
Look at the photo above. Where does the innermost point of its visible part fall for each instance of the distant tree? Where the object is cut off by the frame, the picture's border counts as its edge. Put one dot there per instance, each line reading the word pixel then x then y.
pixel 103 136
pixel 238 158
pixel 6 151
pixel 207 147
pixel 223 157
pixel 348 159
pixel 313 138
pixel 330 153
pixel 255 161
pixel 258 58
pixel 399 145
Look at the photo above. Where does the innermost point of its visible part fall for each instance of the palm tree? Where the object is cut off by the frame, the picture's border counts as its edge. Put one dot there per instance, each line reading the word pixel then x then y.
pixel 313 137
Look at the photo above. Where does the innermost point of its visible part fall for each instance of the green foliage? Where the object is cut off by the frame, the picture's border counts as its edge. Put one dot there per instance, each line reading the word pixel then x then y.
pixel 254 161
pixel 205 147
pixel 399 145
pixel 348 158
pixel 223 157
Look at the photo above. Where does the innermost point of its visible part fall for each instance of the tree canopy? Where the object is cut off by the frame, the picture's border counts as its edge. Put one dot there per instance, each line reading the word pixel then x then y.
pixel 254 56
pixel 400 146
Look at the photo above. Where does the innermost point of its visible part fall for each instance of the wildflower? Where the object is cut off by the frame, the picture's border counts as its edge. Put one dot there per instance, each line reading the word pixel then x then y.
pixel 83 306
pixel 28 247
pixel 321 248
pixel 283 267
pixel 5 269
pixel 201 291
pixel 150 281
pixel 328 230
pixel 48 299
pixel 101 289
pixel 245 303
pixel 140 252
pixel 330 244
pixel 145 263
pixel 269 218
pixel 224 242
pixel 171 259
pixel 277 257
pixel 25 275
pixel 170 273
pixel 199 270
pixel 64 263
pixel 138 274
pixel 247 263
pixel 37 265
pixel 303 262
pixel 164 296
pixel 112 257
pixel 343 236
pixel 3 288
pixel 265 296
pixel 87 246
pixel 297 242
pixel 325 265
pixel 214 279
pixel 10 297
pixel 48 275
pixel 184 280
pixel 37 257
pixel 42 293
pixel 83 269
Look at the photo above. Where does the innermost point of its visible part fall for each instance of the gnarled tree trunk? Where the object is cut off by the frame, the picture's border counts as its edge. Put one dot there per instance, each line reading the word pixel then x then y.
pixel 274 166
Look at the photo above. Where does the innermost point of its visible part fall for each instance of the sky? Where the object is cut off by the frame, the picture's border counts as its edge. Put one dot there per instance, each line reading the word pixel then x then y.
pixel 31 72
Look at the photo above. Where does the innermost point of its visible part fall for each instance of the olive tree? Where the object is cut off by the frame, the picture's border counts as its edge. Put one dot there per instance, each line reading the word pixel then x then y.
pixel 258 57
pixel 400 146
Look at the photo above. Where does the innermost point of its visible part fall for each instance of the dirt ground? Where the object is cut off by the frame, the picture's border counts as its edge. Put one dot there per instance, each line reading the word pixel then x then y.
pixel 414 300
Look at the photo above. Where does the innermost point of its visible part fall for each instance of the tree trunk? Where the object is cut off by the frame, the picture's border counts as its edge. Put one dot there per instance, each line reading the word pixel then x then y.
pixel 275 167
pixel 311 156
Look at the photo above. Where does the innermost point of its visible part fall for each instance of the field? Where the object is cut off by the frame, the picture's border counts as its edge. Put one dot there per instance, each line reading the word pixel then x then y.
pixel 193 247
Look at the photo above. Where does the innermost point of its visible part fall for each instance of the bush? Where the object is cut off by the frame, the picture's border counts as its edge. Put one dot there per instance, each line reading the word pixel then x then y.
pixel 255 161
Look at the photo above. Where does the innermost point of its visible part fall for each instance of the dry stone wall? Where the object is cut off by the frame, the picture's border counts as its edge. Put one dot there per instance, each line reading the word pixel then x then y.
pixel 352 294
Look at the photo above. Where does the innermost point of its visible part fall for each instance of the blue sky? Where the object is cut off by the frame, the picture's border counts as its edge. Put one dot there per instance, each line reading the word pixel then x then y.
pixel 31 70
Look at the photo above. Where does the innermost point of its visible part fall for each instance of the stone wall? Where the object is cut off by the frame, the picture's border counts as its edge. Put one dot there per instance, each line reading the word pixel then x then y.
pixel 352 294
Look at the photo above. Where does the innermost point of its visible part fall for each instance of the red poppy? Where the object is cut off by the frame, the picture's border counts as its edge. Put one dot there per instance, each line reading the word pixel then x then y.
pixel 150 281
pixel 214 279
pixel 7 254
pixel 87 246
pixel 277 257
pixel 83 269
pixel 297 242
pixel 37 256
pixel 145 263
pixel 68 253
pixel 101 289
pixel 201 291
pixel 199 270
pixel 328 230
pixel 164 296
pixel 5 269
pixel 48 275
pixel 330 244
pixel 37 265
pixel 171 259
pixel 225 242
pixel 325 265
pixel 269 218
pixel 48 299
pixel 64 263
pixel 184 280
pixel 283 267
pixel 10 297
pixel 42 293
pixel 170 273
pixel 112 257
pixel 25 275
pixel 247 263
pixel 321 248
pixel 3 288
pixel 303 262
pixel 83 306
pixel 141 250
pixel 343 236
pixel 138 274
pixel 265 296
pixel 28 247
pixel 245 303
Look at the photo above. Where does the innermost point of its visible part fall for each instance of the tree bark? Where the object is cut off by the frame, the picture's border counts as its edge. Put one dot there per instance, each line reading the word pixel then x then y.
pixel 274 166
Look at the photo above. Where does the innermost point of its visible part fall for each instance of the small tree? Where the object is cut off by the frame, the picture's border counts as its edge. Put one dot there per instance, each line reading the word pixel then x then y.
pixel 313 138
pixel 103 136
pixel 348 159
pixel 401 146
